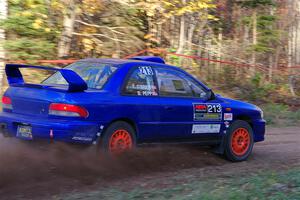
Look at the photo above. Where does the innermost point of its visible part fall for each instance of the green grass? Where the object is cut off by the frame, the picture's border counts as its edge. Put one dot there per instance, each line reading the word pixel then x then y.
pixel 281 115
pixel 267 185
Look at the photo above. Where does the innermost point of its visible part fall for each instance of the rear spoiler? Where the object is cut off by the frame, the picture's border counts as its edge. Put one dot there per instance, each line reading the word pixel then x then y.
pixel 14 76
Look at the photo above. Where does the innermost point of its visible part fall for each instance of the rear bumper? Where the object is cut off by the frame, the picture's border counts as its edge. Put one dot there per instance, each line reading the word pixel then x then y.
pixel 52 129
pixel 259 129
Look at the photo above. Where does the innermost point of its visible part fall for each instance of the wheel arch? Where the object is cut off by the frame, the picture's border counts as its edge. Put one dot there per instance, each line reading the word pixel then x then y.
pixel 123 119
pixel 246 119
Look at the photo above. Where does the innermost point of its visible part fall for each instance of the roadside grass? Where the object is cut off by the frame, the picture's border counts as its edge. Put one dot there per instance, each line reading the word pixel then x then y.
pixel 265 185
pixel 281 115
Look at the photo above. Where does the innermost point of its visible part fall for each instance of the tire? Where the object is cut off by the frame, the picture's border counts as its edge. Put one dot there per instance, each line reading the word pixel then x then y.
pixel 118 138
pixel 239 141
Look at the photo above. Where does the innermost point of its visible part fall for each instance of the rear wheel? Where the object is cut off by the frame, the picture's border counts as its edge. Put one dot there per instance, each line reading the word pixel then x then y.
pixel 239 141
pixel 118 138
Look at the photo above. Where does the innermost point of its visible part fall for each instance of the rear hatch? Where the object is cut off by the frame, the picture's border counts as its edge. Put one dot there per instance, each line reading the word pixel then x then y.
pixel 60 93
pixel 32 100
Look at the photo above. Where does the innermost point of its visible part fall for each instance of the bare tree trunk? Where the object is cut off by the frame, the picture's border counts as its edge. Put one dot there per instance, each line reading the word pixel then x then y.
pixel 277 55
pixel 159 33
pixel 64 45
pixel 181 43
pixel 3 16
pixel 210 72
pixel 246 35
pixel 271 55
pixel 152 32
pixel 271 63
pixel 172 31
pixel 290 47
pixel 182 38
pixel 293 42
pixel 182 33
pixel 291 84
pixel 199 52
pixel 117 53
pixel 219 54
pixel 297 32
pixel 193 24
pixel 254 35
pixel 191 30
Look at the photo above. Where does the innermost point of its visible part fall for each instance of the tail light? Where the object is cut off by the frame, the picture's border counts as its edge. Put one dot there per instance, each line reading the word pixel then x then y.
pixel 6 102
pixel 67 110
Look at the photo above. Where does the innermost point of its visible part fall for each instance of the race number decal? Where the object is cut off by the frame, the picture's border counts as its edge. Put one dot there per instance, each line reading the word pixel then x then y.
pixel 214 108
pixel 146 71
pixel 207 112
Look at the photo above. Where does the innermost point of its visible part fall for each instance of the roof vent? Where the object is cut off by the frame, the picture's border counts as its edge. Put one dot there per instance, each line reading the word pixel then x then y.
pixel 149 59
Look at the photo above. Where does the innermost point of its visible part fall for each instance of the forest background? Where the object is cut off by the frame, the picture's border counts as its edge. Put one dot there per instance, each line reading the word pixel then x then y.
pixel 245 49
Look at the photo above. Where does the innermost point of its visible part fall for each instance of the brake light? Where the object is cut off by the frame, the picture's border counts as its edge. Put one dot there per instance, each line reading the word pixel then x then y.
pixel 67 110
pixel 6 102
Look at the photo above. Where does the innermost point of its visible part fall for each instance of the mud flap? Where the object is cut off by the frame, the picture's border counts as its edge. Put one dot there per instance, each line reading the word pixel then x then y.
pixel 221 147
pixel 98 138
pixel 3 130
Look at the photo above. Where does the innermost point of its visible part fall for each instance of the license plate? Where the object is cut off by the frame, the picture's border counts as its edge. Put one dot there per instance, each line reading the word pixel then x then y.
pixel 24 132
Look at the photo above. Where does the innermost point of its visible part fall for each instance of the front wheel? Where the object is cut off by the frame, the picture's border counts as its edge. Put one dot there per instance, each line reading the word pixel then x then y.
pixel 239 141
pixel 118 138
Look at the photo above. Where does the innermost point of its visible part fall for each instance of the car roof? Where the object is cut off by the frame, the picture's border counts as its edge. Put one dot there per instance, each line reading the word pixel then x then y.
pixel 119 62
pixel 105 60
pixel 132 62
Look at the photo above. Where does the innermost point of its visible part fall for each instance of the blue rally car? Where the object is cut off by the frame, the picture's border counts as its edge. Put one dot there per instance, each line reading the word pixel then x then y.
pixel 118 104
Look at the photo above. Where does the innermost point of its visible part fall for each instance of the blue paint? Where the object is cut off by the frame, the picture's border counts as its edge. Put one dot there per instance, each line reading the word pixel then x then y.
pixel 14 76
pixel 155 118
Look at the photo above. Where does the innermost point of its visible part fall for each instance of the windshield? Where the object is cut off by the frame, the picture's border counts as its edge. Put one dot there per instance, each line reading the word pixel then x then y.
pixel 94 74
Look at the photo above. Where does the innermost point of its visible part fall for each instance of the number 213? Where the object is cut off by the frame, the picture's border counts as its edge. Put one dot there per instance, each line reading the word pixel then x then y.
pixel 214 108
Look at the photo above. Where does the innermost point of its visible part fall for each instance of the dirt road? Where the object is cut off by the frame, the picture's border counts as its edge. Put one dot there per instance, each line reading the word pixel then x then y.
pixel 40 171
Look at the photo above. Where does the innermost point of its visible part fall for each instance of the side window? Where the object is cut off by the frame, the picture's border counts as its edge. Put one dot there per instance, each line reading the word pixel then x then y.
pixel 197 89
pixel 141 82
pixel 172 83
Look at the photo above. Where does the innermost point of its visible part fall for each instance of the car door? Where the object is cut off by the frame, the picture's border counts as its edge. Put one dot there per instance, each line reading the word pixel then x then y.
pixel 140 101
pixel 185 111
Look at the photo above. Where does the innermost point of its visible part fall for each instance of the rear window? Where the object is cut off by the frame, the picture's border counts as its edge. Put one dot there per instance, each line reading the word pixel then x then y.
pixel 94 74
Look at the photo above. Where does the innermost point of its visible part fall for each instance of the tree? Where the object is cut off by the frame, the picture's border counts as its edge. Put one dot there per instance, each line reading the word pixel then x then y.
pixel 256 5
pixel 30 36
pixel 69 16
pixel 106 29
pixel 3 15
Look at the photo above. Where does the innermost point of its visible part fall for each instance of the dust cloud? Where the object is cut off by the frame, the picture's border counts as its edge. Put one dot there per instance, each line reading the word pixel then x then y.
pixel 27 166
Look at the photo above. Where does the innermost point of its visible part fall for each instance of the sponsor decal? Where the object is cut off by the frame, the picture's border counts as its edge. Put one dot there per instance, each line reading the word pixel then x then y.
pixel 206 128
pixel 51 134
pixel 227 124
pixel 200 108
pixel 207 116
pixel 207 112
pixel 228 116
pixel 87 139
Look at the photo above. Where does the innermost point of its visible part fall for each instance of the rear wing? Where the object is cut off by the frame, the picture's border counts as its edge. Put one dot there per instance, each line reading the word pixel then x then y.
pixel 14 76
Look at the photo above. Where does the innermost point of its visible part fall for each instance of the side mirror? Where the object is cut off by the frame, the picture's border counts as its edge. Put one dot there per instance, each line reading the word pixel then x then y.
pixel 211 95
